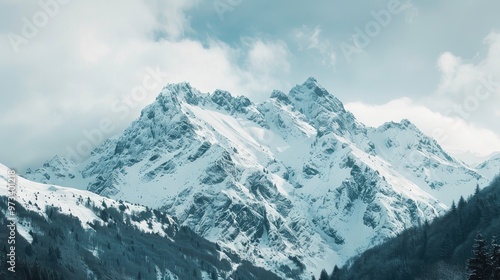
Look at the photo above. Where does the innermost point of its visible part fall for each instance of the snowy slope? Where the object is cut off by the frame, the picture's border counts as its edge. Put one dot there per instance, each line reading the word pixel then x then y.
pixel 422 160
pixel 38 202
pixel 37 197
pixel 490 167
pixel 288 183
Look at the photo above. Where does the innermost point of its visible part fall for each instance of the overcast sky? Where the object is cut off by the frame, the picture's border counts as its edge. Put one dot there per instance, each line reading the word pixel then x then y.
pixel 67 65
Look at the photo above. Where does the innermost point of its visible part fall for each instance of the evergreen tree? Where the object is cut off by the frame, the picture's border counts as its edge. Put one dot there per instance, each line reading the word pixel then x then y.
pixel 495 259
pixel 453 207
pixel 446 247
pixel 423 245
pixel 461 203
pixel 335 273
pixel 323 275
pixel 28 250
pixel 477 190
pixel 479 265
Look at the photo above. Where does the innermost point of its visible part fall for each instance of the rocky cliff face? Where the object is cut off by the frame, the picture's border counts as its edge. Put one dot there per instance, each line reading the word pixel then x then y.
pixel 288 183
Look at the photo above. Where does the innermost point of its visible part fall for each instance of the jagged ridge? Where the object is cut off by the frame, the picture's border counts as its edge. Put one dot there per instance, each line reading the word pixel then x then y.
pixel 288 183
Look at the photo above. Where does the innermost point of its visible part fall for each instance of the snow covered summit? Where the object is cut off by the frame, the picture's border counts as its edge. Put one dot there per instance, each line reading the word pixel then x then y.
pixel 287 183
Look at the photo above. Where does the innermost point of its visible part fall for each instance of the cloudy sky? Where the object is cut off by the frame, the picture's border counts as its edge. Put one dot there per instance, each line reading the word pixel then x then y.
pixel 68 65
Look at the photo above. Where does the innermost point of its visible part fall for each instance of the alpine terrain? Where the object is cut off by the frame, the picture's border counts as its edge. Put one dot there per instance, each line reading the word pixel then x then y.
pixel 294 184
pixel 65 233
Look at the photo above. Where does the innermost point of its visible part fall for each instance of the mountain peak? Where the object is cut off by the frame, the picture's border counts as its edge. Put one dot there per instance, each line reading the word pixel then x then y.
pixel 407 123
pixel 182 92
pixel 311 93
pixel 312 84
pixel 280 96
pixel 224 99
pixel 490 166
pixel 403 124
pixel 179 87
pixel 57 161
pixel 311 80
pixel 213 159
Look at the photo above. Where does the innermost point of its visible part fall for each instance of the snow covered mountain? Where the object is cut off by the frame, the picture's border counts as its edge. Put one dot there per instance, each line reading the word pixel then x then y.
pixel 74 234
pixel 490 167
pixel 420 159
pixel 287 183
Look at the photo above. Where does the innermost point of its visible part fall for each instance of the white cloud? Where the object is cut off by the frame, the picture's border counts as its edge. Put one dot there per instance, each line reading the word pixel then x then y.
pixel 448 63
pixel 457 77
pixel 453 133
pixel 463 81
pixel 268 57
pixel 92 53
pixel 311 39
pixel 469 91
pixel 171 15
pixel 463 112
pixel 76 67
pixel 91 50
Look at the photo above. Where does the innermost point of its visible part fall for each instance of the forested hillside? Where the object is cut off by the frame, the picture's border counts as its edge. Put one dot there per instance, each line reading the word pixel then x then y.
pixel 114 247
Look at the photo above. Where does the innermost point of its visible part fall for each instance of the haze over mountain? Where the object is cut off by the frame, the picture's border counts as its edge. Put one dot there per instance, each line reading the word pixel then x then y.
pixel 294 184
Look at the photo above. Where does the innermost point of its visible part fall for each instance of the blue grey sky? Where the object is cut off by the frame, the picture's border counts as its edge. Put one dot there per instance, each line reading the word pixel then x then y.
pixel 68 66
